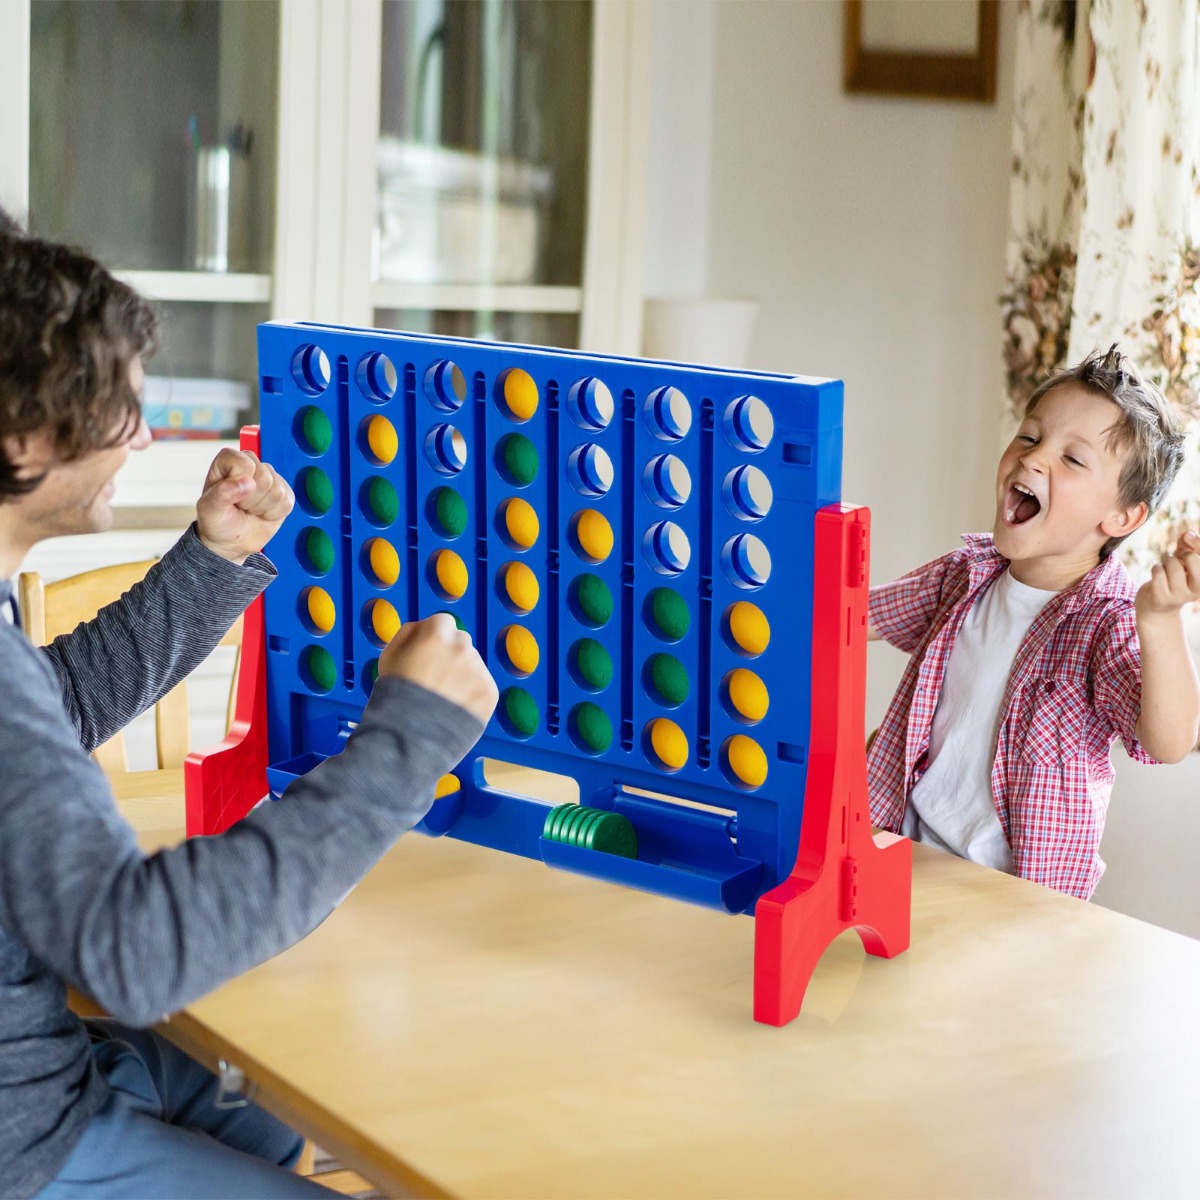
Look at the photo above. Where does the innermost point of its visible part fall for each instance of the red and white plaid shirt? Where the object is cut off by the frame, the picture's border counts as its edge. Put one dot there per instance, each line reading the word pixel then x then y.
pixel 1075 686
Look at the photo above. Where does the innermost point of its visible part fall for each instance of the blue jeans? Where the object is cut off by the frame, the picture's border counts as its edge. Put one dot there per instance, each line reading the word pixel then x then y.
pixel 159 1135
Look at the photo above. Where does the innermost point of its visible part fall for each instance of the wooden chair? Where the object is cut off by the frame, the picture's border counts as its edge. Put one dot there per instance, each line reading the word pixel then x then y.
pixel 50 609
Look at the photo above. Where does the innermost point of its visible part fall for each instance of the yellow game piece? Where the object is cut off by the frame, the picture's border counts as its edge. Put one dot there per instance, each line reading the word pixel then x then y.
pixel 747 694
pixel 594 535
pixel 746 760
pixel 446 786
pixel 522 587
pixel 321 611
pixel 385 621
pixel 669 743
pixel 521 649
pixel 385 562
pixel 749 628
pixel 451 573
pixel 381 439
pixel 521 523
pixel 520 394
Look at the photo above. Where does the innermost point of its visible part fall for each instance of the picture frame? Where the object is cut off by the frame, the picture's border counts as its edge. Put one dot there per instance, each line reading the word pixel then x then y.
pixel 922 48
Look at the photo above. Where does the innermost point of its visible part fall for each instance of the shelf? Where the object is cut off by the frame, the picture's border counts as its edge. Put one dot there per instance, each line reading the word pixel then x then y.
pixel 469 297
pixel 202 286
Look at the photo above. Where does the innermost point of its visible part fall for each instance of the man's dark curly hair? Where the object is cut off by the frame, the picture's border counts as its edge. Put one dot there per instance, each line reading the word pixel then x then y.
pixel 68 334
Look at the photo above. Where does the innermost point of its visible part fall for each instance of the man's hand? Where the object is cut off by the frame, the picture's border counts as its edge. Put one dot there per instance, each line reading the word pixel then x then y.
pixel 1174 582
pixel 438 656
pixel 242 506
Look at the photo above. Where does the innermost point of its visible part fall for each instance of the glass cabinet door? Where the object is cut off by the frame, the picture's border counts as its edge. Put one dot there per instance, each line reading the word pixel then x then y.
pixel 482 168
pixel 153 146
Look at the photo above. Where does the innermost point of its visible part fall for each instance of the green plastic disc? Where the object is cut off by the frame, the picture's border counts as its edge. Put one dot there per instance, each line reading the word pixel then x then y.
pixel 450 510
pixel 593 727
pixel 321 668
pixel 669 678
pixel 587 828
pixel 317 431
pixel 614 834
pixel 319 549
pixel 520 458
pixel 457 619
pixel 552 819
pixel 382 500
pixel 521 710
pixel 669 612
pixel 593 663
pixel 594 600
pixel 318 490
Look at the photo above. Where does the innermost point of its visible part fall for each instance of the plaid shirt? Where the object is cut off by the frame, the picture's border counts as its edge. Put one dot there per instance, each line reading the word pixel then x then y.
pixel 1075 686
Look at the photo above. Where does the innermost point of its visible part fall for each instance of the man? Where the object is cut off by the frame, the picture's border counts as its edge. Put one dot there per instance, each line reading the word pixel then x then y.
pixel 102 1109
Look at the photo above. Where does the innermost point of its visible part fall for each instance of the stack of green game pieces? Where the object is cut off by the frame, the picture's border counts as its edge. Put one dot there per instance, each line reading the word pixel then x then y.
pixel 591 829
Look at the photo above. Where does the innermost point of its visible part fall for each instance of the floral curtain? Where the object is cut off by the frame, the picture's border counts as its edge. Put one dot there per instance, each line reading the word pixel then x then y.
pixel 1104 241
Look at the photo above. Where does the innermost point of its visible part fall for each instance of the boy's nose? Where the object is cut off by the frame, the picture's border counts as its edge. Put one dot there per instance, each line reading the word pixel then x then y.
pixel 141 436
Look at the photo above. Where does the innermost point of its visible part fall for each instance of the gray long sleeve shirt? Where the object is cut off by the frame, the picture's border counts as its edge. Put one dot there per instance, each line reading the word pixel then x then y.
pixel 144 936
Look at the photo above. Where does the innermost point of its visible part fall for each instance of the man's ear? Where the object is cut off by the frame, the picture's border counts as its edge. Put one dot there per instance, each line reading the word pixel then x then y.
pixel 1123 523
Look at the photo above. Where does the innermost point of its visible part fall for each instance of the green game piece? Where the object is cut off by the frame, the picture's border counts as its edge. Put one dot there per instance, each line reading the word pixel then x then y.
pixel 564 814
pixel 669 678
pixel 593 727
pixel 318 432
pixel 457 619
pixel 382 500
pixel 588 829
pixel 594 599
pixel 373 671
pixel 614 834
pixel 321 668
pixel 318 489
pixel 521 710
pixel 570 827
pixel 670 613
pixel 593 663
pixel 451 511
pixel 552 819
pixel 319 549
pixel 520 458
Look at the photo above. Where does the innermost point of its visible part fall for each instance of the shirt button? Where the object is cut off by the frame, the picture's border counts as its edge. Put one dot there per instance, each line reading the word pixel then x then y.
pixel 1049 685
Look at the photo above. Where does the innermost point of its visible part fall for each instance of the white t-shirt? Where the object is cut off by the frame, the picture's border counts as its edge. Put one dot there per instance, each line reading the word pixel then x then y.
pixel 951 806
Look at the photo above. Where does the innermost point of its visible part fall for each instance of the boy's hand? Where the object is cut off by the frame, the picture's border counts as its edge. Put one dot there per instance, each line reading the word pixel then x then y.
pixel 438 656
pixel 1174 582
pixel 242 506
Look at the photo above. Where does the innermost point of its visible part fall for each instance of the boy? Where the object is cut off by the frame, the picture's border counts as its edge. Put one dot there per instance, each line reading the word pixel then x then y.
pixel 101 1109
pixel 1031 650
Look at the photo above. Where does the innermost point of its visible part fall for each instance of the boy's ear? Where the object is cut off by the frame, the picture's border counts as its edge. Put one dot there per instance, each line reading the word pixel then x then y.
pixel 1122 524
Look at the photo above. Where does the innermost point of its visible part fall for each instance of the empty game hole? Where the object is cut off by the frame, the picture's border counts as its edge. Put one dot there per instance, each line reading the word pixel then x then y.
pixel 746 560
pixel 749 424
pixel 590 404
pixel 310 369
pixel 380 501
pixel 517 394
pixel 590 470
pixel 378 441
pixel 667 480
pixel 312 430
pixel 446 449
pixel 445 386
pixel 314 491
pixel 590 601
pixel 667 548
pixel 314 548
pixel 376 377
pixel 748 493
pixel 380 562
pixel 668 414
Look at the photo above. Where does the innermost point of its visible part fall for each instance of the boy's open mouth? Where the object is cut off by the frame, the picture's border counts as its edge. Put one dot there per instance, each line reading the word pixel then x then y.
pixel 1020 505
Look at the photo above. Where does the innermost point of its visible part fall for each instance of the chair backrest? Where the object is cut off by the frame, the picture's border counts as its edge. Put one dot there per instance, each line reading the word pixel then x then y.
pixel 48 610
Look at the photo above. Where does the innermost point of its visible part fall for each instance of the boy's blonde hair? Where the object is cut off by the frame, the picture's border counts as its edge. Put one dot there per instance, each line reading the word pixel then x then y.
pixel 1148 430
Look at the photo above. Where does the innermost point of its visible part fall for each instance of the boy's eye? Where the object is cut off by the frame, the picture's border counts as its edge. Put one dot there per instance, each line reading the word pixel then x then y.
pixel 1073 460
pixel 1027 438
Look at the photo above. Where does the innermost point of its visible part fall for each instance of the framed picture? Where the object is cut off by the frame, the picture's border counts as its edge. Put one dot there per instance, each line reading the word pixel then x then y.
pixel 944 49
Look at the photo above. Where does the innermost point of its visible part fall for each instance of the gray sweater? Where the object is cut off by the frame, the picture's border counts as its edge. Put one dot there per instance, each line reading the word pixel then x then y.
pixel 144 936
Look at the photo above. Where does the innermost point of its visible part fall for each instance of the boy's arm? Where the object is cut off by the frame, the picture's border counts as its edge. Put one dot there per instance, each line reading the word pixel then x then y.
pixel 901 612
pixel 1168 725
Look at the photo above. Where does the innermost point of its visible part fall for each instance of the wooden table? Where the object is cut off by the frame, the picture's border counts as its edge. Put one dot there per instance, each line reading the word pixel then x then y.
pixel 475 1024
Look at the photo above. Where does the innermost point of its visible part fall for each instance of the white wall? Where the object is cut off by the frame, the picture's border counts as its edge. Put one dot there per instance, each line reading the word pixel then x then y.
pixel 872 230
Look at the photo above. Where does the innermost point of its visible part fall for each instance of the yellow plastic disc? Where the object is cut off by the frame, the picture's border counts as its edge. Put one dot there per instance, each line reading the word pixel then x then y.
pixel 669 743
pixel 749 628
pixel 594 535
pixel 321 610
pixel 451 573
pixel 746 760
pixel 522 587
pixel 381 439
pixel 521 649
pixel 520 394
pixel 385 562
pixel 385 621
pixel 521 523
pixel 446 786
pixel 747 694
